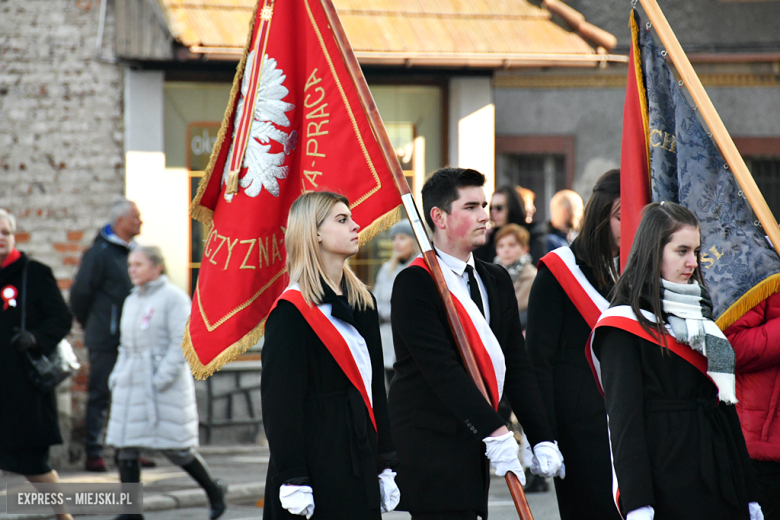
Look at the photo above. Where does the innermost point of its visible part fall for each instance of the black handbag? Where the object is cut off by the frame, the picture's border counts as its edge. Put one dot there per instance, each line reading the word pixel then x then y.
pixel 46 372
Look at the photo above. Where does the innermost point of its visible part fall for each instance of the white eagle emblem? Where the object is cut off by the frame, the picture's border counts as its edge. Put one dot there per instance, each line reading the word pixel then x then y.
pixel 264 168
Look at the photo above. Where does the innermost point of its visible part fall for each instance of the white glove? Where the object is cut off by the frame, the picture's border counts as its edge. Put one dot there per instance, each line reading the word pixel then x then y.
pixel 502 452
pixel 298 500
pixel 643 513
pixel 391 495
pixel 755 511
pixel 548 460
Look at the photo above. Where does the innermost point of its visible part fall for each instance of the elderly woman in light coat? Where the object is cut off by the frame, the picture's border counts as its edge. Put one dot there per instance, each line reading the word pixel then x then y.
pixel 152 392
pixel 404 251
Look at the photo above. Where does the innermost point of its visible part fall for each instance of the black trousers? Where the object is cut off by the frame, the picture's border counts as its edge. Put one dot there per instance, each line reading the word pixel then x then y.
pixel 768 473
pixel 101 363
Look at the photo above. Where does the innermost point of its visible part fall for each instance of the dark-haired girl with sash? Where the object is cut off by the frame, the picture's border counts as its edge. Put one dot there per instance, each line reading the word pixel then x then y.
pixel 568 295
pixel 323 392
pixel 667 374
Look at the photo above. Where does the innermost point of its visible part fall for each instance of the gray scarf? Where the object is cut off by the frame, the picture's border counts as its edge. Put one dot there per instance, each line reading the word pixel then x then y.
pixel 689 310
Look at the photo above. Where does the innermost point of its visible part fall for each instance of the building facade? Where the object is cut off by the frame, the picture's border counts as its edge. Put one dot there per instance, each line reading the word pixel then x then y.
pixel 107 97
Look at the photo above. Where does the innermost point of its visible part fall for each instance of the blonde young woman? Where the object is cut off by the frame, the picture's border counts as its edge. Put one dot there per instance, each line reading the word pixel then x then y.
pixel 324 402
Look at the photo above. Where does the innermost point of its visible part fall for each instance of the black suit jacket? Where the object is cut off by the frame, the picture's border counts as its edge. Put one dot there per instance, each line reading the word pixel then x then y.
pixel 438 416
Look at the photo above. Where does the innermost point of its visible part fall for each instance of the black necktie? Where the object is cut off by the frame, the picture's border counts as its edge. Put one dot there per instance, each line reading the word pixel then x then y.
pixel 474 289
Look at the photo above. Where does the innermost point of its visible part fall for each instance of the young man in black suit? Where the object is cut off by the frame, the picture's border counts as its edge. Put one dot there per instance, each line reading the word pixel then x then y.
pixel 444 429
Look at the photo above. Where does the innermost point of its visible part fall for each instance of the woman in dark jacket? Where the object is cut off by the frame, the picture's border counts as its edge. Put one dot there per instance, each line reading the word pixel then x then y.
pixel 556 337
pixel 506 207
pixel 323 392
pixel 668 378
pixel 28 416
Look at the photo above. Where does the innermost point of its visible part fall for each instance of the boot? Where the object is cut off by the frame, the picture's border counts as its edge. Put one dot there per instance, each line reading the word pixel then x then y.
pixel 95 463
pixel 215 489
pixel 130 473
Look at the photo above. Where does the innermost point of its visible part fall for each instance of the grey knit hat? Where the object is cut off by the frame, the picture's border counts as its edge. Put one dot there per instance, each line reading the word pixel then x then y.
pixel 402 226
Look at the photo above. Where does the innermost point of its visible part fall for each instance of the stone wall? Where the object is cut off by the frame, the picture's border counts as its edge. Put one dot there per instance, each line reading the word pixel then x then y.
pixel 61 143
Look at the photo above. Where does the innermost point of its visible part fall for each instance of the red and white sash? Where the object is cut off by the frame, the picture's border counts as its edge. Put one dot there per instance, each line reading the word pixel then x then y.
pixel 622 317
pixel 342 341
pixel 487 350
pixel 589 302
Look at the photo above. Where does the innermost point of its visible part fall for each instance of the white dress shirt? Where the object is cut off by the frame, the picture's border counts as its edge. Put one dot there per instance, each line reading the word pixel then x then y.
pixel 459 268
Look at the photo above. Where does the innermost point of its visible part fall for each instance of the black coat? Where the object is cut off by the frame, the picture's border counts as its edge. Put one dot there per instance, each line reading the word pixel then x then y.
pixel 318 428
pixel 556 337
pixel 98 292
pixel 439 417
pixel 670 436
pixel 28 416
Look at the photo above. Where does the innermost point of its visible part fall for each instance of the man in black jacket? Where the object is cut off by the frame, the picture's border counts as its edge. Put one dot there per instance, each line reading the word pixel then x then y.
pixel 442 426
pixel 97 295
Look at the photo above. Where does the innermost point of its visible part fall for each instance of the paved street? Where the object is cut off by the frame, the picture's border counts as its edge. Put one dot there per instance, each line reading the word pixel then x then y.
pixel 170 494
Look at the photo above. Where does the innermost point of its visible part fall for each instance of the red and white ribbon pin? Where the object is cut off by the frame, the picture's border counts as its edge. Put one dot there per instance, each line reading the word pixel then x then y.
pixel 9 294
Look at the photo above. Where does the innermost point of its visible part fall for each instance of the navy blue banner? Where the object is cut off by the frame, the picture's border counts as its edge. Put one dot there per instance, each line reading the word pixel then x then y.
pixel 739 266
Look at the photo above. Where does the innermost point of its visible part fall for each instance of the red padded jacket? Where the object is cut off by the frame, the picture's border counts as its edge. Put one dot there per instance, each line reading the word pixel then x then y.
pixel 756 341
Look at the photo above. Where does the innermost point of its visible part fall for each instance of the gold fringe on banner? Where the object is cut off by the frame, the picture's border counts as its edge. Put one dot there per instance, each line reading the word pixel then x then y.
pixel 750 299
pixel 379 225
pixel 201 371
pixel 640 84
pixel 197 211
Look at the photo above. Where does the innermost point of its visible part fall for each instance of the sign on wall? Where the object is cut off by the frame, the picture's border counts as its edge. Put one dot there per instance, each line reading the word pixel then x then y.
pixel 201 136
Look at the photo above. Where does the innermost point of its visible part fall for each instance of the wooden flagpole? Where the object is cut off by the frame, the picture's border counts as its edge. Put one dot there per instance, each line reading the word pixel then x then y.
pixel 367 101
pixel 719 133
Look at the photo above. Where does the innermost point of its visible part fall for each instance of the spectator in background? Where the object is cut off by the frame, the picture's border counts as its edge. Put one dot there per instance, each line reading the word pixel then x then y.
pixel 565 215
pixel 96 298
pixel 153 396
pixel 404 251
pixel 512 253
pixel 756 341
pixel 528 197
pixel 28 416
pixel 507 208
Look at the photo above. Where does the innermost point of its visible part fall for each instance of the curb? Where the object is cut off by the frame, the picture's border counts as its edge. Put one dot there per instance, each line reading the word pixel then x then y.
pixel 197 497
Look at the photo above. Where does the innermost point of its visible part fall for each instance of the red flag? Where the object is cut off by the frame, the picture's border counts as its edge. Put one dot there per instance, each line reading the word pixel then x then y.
pixel 634 155
pixel 307 132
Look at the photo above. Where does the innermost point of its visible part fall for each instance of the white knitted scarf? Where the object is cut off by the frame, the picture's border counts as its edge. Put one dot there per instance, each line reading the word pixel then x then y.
pixel 689 310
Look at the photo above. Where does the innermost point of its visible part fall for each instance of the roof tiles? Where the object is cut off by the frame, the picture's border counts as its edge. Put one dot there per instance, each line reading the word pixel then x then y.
pixel 386 31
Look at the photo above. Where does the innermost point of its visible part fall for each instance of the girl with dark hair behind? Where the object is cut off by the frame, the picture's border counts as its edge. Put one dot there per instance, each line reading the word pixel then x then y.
pixel 668 378
pixel 506 207
pixel 559 323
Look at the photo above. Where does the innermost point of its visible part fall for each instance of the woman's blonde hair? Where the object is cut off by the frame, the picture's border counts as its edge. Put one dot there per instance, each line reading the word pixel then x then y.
pixel 304 259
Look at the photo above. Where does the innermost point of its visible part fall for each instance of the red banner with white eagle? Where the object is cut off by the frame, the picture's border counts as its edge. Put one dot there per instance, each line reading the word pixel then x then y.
pixel 294 123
